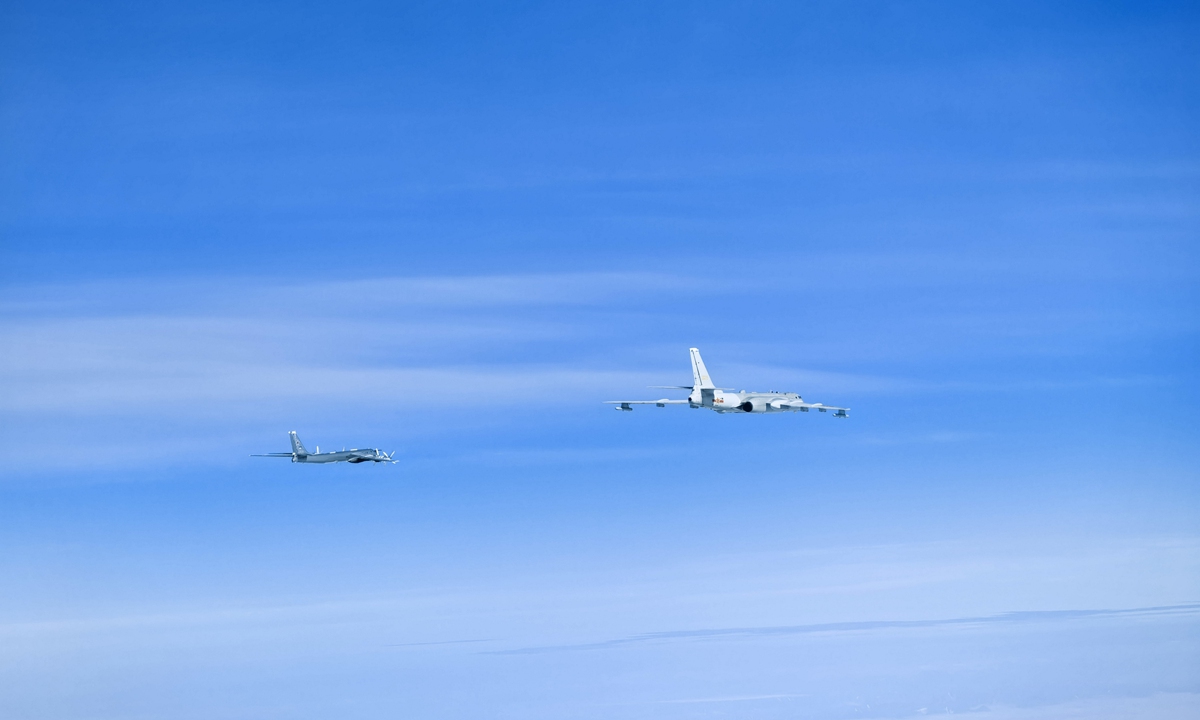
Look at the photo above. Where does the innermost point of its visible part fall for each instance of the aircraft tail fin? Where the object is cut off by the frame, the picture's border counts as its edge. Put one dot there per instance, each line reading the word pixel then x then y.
pixel 700 373
pixel 297 446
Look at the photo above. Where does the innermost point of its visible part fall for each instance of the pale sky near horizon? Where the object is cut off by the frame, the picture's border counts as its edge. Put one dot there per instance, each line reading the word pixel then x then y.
pixel 452 230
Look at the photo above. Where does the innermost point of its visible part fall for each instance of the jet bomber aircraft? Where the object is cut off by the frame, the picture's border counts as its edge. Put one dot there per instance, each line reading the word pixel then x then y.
pixel 299 454
pixel 706 395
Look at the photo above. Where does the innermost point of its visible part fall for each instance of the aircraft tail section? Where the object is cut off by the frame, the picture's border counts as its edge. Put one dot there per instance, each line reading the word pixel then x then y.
pixel 297 446
pixel 700 378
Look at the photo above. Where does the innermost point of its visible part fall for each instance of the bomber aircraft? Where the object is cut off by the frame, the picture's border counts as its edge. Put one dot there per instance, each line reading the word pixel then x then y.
pixel 299 454
pixel 724 400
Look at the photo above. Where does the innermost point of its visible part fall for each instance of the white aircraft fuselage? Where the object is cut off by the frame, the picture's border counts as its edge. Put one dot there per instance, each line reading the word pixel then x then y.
pixel 745 401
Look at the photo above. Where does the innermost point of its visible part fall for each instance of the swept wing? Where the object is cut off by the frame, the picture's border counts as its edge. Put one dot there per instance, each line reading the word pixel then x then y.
pixel 626 404
pixel 785 404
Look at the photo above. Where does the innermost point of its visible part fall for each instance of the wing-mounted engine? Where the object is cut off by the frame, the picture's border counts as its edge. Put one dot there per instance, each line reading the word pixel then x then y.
pixel 754 405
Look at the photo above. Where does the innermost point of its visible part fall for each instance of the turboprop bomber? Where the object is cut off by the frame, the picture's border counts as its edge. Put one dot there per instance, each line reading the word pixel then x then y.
pixel 724 400
pixel 301 455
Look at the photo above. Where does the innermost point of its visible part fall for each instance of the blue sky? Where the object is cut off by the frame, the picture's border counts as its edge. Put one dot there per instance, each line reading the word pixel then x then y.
pixel 452 230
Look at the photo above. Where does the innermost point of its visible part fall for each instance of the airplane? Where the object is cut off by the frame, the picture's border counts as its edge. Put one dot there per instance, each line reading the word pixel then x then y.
pixel 299 454
pixel 706 395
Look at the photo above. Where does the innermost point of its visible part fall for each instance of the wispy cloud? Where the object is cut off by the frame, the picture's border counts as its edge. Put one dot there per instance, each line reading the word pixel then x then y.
pixel 1161 706
pixel 251 296
pixel 439 642
pixel 1046 616
pixel 371 341
pixel 734 699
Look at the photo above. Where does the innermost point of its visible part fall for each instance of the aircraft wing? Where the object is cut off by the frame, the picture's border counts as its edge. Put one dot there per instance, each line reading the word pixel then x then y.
pixel 274 455
pixel 626 404
pixel 805 407
pixel 678 387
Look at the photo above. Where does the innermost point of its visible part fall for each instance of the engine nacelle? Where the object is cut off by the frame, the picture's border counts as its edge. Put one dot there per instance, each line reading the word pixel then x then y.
pixel 754 405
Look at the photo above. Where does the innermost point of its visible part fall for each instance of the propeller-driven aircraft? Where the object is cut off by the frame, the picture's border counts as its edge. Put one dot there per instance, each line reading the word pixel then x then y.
pixel 724 400
pixel 299 454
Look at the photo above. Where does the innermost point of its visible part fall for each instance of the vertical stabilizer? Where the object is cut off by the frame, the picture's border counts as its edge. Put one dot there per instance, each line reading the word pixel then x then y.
pixel 297 446
pixel 700 378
